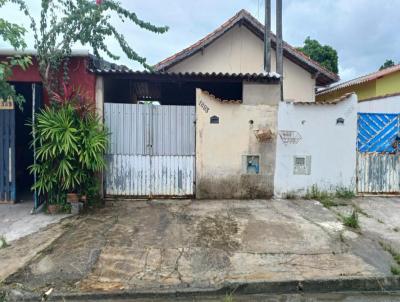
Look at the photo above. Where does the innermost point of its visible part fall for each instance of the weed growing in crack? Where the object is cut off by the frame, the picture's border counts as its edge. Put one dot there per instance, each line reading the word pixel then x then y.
pixel 344 193
pixel 228 298
pixel 361 211
pixel 351 221
pixel 388 248
pixel 327 199
pixel 3 243
pixel 396 229
pixel 395 270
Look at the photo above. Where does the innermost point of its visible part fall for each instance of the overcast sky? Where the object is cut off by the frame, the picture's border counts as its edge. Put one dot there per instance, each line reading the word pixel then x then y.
pixel 364 32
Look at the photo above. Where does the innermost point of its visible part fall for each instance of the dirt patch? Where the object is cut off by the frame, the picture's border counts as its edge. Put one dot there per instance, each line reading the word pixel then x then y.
pixel 218 232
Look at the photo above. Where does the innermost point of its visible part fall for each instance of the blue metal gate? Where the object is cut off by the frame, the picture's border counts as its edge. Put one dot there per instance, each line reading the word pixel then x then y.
pixel 378 161
pixel 7 152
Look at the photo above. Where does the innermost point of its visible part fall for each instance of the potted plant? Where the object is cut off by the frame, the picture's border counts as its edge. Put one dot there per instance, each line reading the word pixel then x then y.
pixel 72 197
pixel 71 142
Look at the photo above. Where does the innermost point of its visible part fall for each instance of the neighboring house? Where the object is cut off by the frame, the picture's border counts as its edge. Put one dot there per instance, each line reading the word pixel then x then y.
pixel 377 92
pixel 16 153
pixel 378 128
pixel 237 47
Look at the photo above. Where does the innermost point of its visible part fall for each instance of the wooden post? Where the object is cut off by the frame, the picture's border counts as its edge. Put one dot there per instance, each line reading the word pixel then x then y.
pixel 100 111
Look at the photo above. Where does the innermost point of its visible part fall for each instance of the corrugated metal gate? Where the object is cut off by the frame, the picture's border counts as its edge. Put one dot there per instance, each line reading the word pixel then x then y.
pixel 378 160
pixel 7 152
pixel 152 150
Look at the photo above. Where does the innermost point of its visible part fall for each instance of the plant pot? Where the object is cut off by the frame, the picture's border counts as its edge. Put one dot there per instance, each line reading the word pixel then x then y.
pixel 53 208
pixel 76 208
pixel 72 197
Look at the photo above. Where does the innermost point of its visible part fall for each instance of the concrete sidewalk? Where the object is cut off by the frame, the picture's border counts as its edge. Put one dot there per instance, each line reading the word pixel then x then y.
pixel 16 220
pixel 201 245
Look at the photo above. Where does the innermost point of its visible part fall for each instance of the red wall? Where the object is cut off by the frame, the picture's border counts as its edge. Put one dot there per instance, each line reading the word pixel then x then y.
pixel 79 76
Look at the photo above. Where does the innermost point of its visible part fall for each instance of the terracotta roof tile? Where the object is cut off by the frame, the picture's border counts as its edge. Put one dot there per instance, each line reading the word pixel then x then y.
pixel 324 76
pixel 361 80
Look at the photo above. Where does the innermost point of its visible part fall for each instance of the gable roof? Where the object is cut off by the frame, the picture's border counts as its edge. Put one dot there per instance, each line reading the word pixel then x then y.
pixel 361 80
pixel 243 17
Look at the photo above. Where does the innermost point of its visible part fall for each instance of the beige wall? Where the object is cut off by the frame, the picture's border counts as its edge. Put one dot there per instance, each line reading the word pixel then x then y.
pixel 220 170
pixel 240 51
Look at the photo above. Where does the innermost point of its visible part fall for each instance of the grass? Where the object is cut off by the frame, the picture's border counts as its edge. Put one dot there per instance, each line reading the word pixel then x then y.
pixel 228 298
pixel 344 193
pixel 395 270
pixel 324 197
pixel 3 243
pixel 351 220
pixel 388 248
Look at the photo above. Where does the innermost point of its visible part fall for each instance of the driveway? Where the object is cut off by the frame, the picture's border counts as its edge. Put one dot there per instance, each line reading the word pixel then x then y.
pixel 200 245
pixel 16 220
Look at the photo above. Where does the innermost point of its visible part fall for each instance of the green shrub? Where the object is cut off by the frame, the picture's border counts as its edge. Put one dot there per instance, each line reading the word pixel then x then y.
pixel 395 270
pixel 70 145
pixel 351 221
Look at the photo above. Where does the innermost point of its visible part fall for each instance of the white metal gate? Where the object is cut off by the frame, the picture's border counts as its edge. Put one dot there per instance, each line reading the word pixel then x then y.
pixel 152 150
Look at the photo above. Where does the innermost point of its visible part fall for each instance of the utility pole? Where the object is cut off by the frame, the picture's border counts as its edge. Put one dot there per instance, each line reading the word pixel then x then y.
pixel 267 37
pixel 279 44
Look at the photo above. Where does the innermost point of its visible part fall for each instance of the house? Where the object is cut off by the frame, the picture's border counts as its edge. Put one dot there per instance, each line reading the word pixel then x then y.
pixel 378 128
pixel 16 155
pixel 377 92
pixel 237 47
pixel 207 135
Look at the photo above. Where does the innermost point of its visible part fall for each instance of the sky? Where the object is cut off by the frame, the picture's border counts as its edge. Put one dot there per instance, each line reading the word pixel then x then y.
pixel 364 32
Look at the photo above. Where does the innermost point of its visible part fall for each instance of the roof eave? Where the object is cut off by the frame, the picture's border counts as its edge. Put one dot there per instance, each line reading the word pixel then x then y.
pixel 323 76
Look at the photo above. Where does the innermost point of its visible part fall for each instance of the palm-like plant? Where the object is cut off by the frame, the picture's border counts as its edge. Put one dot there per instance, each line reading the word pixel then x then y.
pixel 71 143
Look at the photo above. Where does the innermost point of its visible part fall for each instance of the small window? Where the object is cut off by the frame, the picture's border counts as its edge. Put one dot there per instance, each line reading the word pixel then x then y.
pixel 300 161
pixel 340 121
pixel 302 165
pixel 214 119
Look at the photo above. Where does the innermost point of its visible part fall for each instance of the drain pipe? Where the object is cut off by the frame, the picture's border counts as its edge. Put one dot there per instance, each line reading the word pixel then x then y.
pixel 279 43
pixel 267 37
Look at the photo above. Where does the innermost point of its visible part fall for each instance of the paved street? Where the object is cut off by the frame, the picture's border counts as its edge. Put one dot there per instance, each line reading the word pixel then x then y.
pixel 196 245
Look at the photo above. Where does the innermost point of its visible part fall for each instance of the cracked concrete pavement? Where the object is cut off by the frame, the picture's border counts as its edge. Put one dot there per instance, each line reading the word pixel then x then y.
pixel 183 244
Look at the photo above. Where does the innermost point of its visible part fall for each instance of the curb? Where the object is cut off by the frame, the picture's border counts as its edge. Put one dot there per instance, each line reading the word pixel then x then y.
pixel 382 284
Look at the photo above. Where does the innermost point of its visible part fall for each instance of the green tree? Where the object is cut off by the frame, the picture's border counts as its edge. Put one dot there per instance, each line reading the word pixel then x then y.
pixel 14 35
pixel 65 23
pixel 387 64
pixel 323 54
